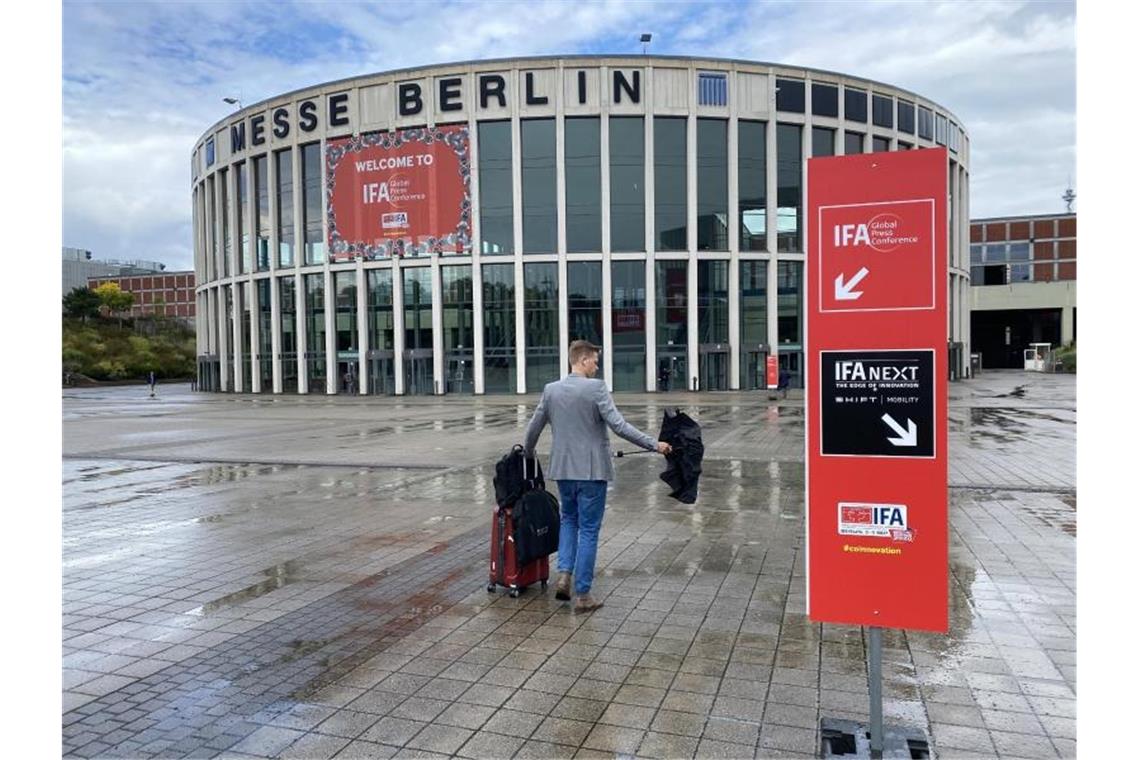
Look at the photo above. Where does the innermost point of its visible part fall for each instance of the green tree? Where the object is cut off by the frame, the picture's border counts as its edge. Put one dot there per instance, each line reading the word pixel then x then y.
pixel 114 299
pixel 81 303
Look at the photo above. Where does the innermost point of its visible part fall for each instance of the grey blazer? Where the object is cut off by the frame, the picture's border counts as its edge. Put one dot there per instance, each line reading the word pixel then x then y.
pixel 579 409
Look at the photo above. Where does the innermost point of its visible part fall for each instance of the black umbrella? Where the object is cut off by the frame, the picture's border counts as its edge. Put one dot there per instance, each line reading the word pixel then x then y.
pixel 683 468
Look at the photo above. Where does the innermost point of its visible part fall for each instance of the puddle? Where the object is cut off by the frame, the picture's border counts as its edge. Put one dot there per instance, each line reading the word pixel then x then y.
pixel 277 577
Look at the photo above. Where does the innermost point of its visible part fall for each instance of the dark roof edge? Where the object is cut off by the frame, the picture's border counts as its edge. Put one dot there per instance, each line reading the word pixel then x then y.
pixel 1018 217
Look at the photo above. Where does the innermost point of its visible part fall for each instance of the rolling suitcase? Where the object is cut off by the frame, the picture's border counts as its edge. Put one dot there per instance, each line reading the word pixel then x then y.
pixel 505 570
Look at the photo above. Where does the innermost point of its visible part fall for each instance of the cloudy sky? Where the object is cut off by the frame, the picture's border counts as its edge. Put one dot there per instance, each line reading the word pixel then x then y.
pixel 142 81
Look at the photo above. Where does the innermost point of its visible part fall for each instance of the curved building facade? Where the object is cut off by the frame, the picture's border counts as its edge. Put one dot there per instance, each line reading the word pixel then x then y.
pixel 450 229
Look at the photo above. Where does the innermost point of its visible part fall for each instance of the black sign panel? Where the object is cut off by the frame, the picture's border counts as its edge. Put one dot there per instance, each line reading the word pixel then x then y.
pixel 877 403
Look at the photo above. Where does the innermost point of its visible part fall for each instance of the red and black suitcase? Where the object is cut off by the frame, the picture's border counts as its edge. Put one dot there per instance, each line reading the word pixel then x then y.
pixel 505 569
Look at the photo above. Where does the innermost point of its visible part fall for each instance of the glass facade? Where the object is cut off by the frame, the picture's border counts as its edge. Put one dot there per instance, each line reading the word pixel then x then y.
pixel 246 333
pixel 347 341
pixel 496 199
pixel 261 194
pixel 672 296
pixel 499 354
pixel 627 183
pixel 228 340
pixel 584 184
pixel 752 176
pixel 789 187
pixel 418 363
pixel 265 334
pixel 458 329
pixel 539 192
pixel 584 299
pixel 381 333
pixel 244 261
pixel 790 318
pixel 712 185
pixel 311 203
pixel 285 235
pixel 287 304
pixel 227 245
pixel 670 185
pixel 540 315
pixel 315 359
pixel 753 323
pixel 712 325
pixel 628 315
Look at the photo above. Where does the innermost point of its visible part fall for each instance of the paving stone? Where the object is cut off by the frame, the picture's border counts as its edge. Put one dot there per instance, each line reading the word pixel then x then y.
pixel 614 739
pixel 483 744
pixel 443 739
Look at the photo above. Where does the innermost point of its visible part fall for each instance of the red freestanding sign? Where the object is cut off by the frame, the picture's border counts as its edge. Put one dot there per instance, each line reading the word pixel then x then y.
pixel 876 390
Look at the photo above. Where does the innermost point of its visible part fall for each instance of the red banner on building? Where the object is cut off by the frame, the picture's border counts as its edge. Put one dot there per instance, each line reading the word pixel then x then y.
pixel 876 390
pixel 401 193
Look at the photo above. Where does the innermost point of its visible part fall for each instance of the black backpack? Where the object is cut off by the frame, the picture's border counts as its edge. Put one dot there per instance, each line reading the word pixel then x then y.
pixel 536 522
pixel 511 480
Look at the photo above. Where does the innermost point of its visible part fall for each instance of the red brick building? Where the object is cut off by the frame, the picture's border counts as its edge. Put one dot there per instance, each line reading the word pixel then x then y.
pixel 168 294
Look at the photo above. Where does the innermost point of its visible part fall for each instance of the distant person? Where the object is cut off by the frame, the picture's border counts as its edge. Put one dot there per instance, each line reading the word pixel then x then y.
pixel 152 381
pixel 579 408
pixel 785 379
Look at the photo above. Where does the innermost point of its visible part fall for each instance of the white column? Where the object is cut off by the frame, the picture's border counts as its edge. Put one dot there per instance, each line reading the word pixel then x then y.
pixel 361 329
pixel 437 326
pixel 398 324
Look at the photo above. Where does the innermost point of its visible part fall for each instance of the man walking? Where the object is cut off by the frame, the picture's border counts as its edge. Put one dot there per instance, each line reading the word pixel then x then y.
pixel 579 408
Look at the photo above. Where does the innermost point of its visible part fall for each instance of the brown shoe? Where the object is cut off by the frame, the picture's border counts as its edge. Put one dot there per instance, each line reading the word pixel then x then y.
pixel 586 603
pixel 562 587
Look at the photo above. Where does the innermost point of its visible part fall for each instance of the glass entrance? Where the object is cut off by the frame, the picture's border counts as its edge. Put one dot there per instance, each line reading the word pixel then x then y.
pixel 418 380
pixel 460 371
pixel 755 364
pixel 713 369
pixel 348 381
pixel 381 373
pixel 672 369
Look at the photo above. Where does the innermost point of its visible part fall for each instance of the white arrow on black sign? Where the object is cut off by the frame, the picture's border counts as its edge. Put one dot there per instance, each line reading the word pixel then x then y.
pixel 908 437
pixel 843 290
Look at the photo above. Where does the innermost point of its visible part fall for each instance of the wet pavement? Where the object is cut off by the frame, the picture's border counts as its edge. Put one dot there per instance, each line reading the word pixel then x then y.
pixel 304 577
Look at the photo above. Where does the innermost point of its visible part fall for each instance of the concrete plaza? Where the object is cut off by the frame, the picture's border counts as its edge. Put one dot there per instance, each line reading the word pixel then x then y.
pixel 260 576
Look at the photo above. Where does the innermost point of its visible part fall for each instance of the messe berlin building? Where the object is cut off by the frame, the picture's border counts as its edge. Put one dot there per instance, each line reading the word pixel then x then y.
pixel 450 229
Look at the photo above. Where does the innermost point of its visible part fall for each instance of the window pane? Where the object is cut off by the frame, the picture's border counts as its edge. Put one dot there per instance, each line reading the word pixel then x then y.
pixel 583 184
pixel 852 143
pixel 245 263
pixel 265 334
pixel 458 329
pixel 712 301
pixel 284 208
pixel 906 117
pixel 824 99
pixel 315 331
pixel 344 283
pixel 261 183
pixel 882 111
pixel 628 315
pixel 311 203
pixel 880 144
pixel 790 95
pixel 822 141
pixel 417 308
pixel 287 306
pixel 381 326
pixel 227 247
pixel 789 186
pixel 753 191
pixel 584 296
pixel 672 324
pixel 854 104
pixel 627 183
pixel 925 123
pixel 670 183
pixel 789 294
pixel 499 328
pixel 496 201
pixel 712 185
pixel 540 302
pixel 753 323
pixel 539 204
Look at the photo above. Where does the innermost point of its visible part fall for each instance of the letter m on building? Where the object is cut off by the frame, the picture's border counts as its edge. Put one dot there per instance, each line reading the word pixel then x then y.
pixel 237 137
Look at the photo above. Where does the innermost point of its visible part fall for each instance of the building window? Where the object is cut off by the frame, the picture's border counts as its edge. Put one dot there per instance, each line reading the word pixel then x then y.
pixel 227 245
pixel 904 145
pixel 789 318
pixel 265 334
pixel 882 111
pixel 284 160
pixel 261 194
pixel 419 370
pixel 584 298
pixel 953 136
pixel 583 184
pixel 539 197
pixel 712 302
pixel 672 296
pixel 496 196
pixel 315 331
pixel 344 283
pixel 752 150
pixel 854 104
pixel 246 328
pixel 209 152
pixel 287 313
pixel 822 141
pixel 228 341
pixel 824 99
pixel 852 143
pixel 940 130
pixel 499 364
pixel 628 326
pixel 627 183
pixel 753 324
pixel 458 329
pixel 880 144
pixel 540 317
pixel 790 95
pixel 712 89
pixel 212 229
pixel 381 334
pixel 244 262
pixel 670 185
pixel 789 186
pixel 906 117
pixel 925 123
pixel 311 203
pixel 712 185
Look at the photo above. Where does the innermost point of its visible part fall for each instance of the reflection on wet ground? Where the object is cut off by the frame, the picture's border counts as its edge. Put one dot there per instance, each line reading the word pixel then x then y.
pixel 282 609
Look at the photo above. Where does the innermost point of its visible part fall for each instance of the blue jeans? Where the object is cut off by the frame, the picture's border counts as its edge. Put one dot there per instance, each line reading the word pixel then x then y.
pixel 583 506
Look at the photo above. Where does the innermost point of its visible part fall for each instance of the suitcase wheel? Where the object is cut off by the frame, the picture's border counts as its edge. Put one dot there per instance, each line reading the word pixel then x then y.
pixel 490 588
pixel 515 593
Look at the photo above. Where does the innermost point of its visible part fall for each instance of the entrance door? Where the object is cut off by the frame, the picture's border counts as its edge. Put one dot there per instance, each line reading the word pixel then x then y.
pixel 460 372
pixel 347 379
pixel 381 373
pixel 713 368
pixel 755 370
pixel 672 370
pixel 418 372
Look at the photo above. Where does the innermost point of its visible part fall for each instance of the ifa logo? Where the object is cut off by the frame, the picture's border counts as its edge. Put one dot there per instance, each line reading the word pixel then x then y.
pixel 877 520
pixel 883 233
pixel 396 220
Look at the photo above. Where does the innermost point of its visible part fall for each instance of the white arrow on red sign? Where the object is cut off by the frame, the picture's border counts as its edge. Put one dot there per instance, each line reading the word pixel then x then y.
pixel 843 290
pixel 908 436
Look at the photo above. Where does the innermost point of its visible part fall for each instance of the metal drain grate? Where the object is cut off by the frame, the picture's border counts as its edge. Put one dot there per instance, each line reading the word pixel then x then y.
pixel 848 739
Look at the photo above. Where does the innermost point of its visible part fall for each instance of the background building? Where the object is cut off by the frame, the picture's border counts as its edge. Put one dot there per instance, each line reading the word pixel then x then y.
pixel 169 294
pixel 80 266
pixel 651 204
pixel 1023 273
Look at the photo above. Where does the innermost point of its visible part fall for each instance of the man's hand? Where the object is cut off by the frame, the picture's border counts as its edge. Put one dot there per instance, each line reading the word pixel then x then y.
pixel 664 448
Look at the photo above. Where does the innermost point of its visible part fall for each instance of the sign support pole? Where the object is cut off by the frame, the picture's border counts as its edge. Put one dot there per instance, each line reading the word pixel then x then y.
pixel 876 684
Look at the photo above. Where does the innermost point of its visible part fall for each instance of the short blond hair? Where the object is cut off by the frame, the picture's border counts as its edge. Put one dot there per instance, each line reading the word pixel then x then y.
pixel 580 349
